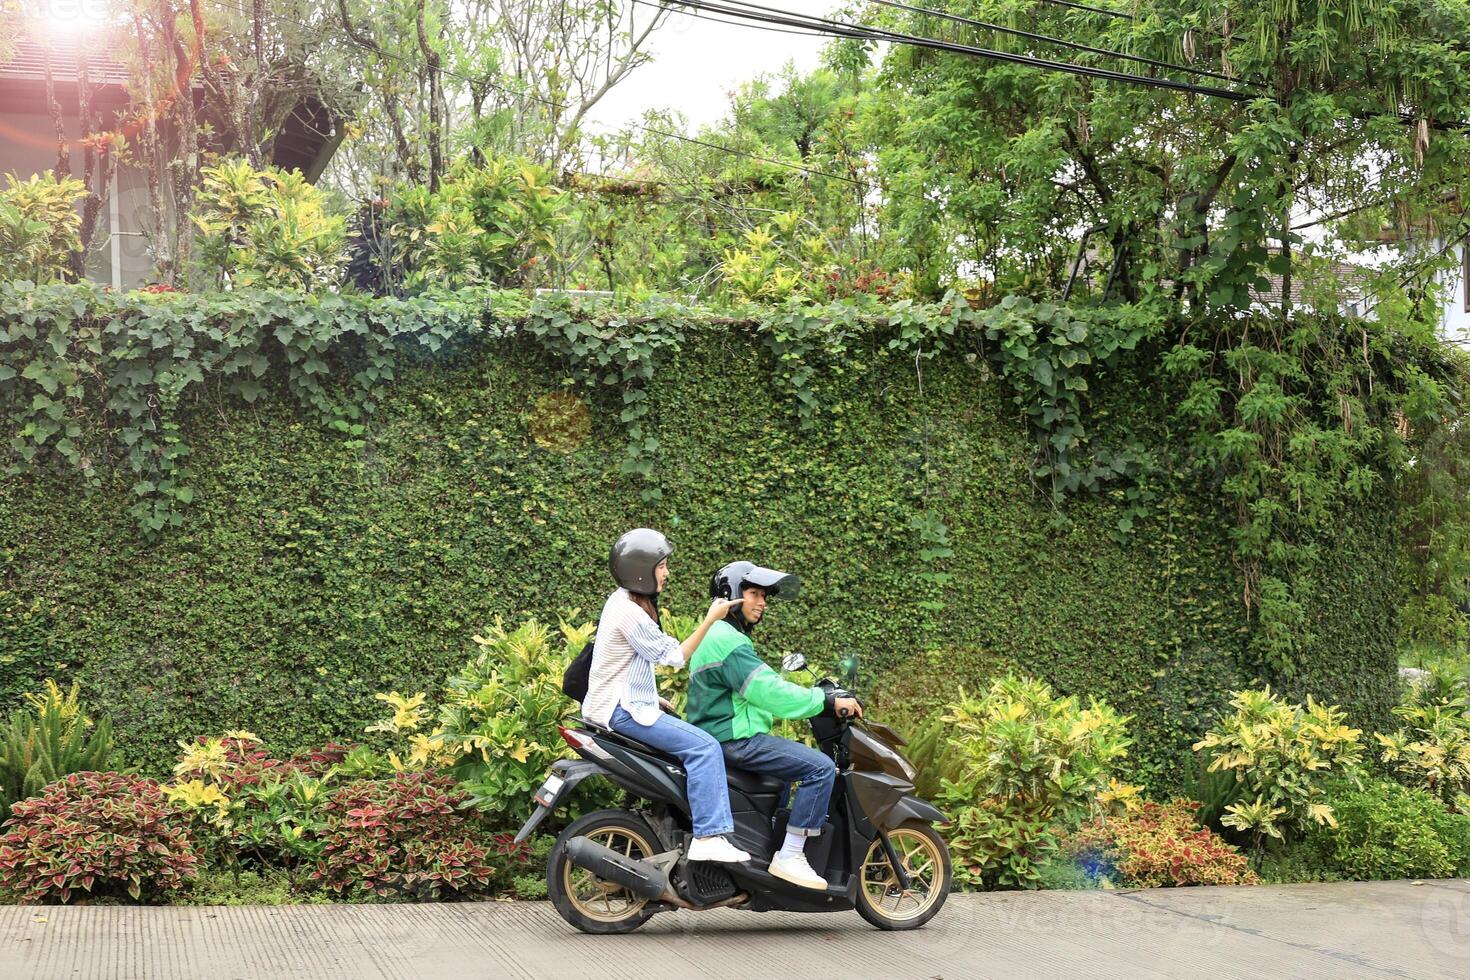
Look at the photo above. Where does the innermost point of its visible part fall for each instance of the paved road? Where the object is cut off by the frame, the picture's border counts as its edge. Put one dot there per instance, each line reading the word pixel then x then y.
pixel 1382 929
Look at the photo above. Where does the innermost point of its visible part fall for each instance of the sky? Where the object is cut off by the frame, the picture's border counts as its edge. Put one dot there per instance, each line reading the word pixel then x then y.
pixel 698 63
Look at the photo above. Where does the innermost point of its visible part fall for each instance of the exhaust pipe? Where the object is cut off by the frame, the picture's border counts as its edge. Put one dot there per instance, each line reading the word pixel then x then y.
pixel 639 877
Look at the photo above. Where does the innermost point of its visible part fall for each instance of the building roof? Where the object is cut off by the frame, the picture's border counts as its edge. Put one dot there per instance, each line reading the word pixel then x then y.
pixel 28 63
pixel 1346 285
pixel 1351 282
pixel 305 141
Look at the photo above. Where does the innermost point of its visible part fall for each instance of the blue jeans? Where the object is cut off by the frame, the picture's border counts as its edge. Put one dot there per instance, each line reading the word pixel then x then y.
pixel 709 796
pixel 788 760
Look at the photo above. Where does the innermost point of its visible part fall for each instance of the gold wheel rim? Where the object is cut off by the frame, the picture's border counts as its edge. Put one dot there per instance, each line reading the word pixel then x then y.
pixel 922 862
pixel 597 898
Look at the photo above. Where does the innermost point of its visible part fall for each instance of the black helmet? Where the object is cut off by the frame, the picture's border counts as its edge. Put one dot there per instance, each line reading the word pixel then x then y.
pixel 634 557
pixel 730 582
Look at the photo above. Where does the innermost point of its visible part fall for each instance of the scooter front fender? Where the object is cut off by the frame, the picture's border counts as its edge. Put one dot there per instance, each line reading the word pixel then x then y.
pixel 914 808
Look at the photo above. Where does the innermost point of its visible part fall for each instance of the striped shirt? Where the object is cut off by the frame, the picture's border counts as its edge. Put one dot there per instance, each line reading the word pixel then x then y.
pixel 628 646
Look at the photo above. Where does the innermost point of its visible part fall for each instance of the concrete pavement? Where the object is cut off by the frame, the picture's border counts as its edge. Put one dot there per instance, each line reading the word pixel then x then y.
pixel 1371 929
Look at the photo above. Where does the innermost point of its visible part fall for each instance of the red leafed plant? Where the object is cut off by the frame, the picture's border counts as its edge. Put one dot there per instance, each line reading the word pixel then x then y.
pixel 402 836
pixel 316 761
pixel 863 280
pixel 97 832
pixel 240 759
pixel 1157 845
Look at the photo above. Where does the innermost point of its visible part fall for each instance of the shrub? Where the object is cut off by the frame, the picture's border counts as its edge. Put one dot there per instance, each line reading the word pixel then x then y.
pixel 1454 830
pixel 247 804
pixel 267 227
pixel 401 836
pixel 529 888
pixel 1282 755
pixel 402 597
pixel 1295 863
pixel 1156 845
pixel 40 226
pixel 237 758
pixel 1019 763
pixel 1442 683
pixel 1432 751
pixel 1214 789
pixel 1385 830
pixel 1057 873
pixel 933 753
pixel 520 869
pixel 248 888
pixel 494 224
pixel 99 832
pixel 47 742
pixel 497 726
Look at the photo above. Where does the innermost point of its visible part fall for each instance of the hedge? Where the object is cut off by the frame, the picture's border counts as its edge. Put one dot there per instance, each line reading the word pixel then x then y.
pixel 314 567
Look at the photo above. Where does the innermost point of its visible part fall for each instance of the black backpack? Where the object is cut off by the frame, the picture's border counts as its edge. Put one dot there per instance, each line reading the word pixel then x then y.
pixel 574 678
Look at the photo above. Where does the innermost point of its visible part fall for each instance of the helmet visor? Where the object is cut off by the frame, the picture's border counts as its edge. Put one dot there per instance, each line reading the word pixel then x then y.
pixel 778 585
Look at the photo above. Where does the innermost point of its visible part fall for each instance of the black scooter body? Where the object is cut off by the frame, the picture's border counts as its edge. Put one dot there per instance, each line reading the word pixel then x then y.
pixel 863 803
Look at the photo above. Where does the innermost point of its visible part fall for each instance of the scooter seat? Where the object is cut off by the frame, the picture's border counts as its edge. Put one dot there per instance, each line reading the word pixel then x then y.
pixel 754 783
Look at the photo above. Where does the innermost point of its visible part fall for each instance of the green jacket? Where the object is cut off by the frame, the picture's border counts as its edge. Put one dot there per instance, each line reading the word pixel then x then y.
pixel 735 694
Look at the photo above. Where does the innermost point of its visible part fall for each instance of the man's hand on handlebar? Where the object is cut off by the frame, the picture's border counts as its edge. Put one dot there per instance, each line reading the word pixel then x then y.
pixel 848 707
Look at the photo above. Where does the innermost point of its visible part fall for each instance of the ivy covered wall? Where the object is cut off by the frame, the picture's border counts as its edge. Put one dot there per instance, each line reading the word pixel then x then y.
pixel 317 558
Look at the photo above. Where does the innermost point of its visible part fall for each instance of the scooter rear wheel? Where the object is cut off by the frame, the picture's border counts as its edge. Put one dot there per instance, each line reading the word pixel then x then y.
pixel 587 902
pixel 925 858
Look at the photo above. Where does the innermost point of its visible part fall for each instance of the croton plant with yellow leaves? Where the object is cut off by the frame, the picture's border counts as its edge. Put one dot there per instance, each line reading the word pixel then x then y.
pixel 1283 756
pixel 495 729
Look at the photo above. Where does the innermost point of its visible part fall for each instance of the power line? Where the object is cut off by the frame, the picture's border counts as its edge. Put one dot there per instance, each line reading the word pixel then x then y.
pixel 835 28
pixel 655 4
pixel 1122 15
pixel 752 156
pixel 815 26
pixel 816 31
pixel 1048 39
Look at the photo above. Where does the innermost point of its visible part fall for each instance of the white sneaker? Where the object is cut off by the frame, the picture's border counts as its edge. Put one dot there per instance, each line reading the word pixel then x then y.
pixel 796 870
pixel 716 849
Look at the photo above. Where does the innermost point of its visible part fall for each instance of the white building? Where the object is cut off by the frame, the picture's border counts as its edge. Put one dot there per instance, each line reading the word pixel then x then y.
pixel 1454 282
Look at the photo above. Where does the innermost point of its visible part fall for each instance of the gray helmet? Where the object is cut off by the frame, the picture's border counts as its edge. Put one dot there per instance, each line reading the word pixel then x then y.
pixel 730 581
pixel 635 556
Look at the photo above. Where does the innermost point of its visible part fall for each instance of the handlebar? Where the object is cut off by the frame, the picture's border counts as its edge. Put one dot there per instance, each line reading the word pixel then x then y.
pixel 834 692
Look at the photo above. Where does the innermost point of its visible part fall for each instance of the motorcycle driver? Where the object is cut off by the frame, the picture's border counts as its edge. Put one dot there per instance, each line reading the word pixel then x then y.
pixel 736 696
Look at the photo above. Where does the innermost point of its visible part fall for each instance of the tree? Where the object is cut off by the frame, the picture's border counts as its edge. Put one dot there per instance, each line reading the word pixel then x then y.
pixel 779 188
pixel 484 78
pixel 996 169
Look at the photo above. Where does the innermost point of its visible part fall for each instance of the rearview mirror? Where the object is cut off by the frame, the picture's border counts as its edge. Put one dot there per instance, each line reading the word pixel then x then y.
pixel 792 662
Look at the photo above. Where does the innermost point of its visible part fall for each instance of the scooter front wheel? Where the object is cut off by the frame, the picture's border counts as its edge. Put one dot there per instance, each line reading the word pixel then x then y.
pixel 881 898
pixel 586 901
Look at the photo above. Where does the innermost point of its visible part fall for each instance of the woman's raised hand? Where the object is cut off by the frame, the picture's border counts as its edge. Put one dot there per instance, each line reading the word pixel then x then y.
pixel 719 609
